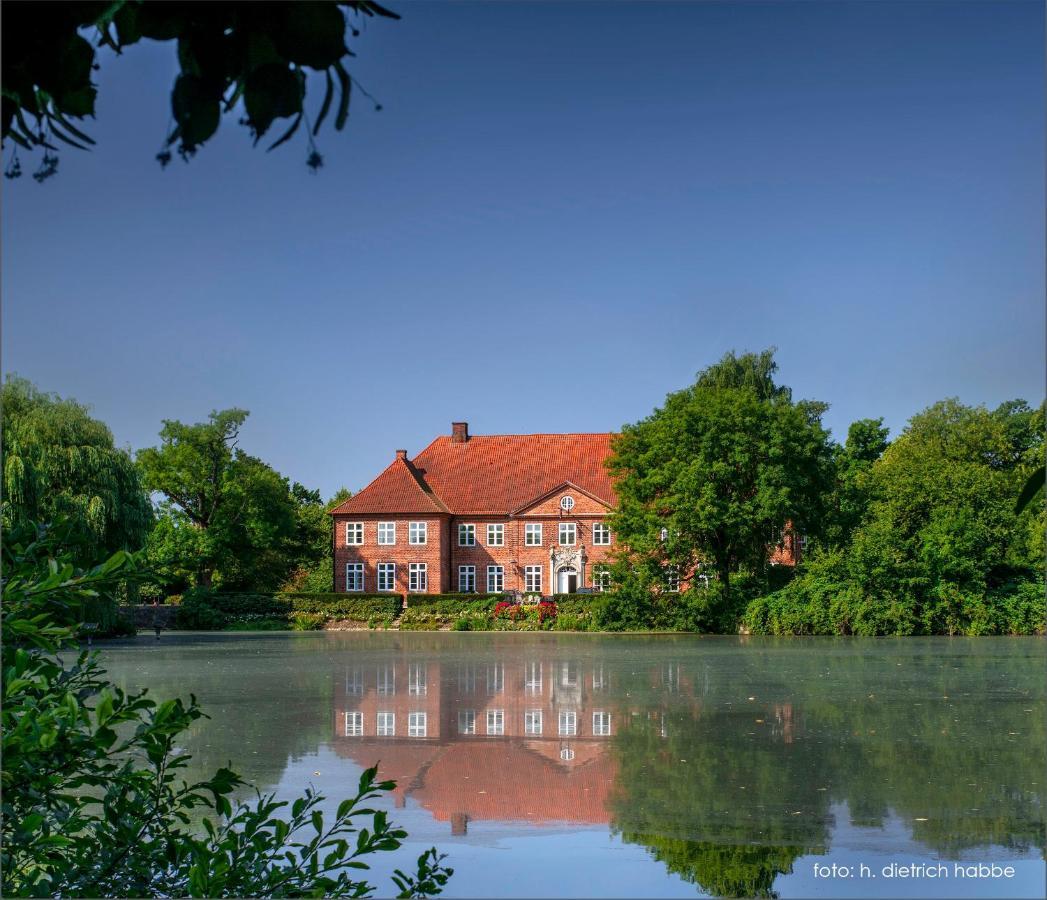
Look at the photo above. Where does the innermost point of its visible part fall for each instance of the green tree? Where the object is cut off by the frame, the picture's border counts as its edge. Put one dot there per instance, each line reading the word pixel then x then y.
pixel 240 514
pixel 315 558
pixel 866 442
pixel 257 54
pixel 92 802
pixel 707 477
pixel 59 462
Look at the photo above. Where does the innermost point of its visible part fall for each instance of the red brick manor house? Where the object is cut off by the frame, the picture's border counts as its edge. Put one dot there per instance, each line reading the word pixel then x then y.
pixel 487 513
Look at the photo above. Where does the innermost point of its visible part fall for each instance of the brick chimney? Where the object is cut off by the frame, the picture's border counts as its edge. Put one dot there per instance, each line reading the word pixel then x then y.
pixel 459 432
pixel 459 824
pixel 401 454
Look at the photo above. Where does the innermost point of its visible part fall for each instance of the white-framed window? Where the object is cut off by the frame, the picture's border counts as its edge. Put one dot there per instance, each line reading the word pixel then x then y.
pixel 387 533
pixel 802 542
pixel 386 576
pixel 672 578
pixel 568 534
pixel 466 579
pixel 354 576
pixel 533 678
pixel 567 754
pixel 567 503
pixel 386 724
pixel 533 534
pixel 601 578
pixel 601 724
pixel 467 721
pixel 416 724
pixel 601 535
pixel 385 681
pixel 466 535
pixel 496 721
pixel 354 533
pixel 568 673
pixel 418 533
pixel 354 724
pixel 495 535
pixel 416 683
pixel 466 678
pixel 418 577
pixel 495 579
pixel 599 678
pixel 568 722
pixel 495 678
pixel 533 579
pixel 354 681
pixel 533 721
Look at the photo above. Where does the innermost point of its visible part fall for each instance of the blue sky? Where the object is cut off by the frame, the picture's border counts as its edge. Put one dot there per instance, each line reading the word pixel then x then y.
pixel 563 212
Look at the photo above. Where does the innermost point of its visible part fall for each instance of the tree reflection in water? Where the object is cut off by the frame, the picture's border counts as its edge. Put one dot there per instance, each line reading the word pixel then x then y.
pixel 725 758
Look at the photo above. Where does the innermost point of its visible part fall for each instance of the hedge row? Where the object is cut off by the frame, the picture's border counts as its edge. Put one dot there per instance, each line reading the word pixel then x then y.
pixel 208 611
pixel 443 599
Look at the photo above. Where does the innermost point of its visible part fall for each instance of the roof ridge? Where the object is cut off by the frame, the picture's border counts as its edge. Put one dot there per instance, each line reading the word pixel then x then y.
pixel 422 484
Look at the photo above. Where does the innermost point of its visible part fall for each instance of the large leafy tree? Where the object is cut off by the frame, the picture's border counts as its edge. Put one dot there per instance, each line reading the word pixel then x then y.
pixel 866 442
pixel 706 478
pixel 257 54
pixel 315 555
pixel 232 520
pixel 59 462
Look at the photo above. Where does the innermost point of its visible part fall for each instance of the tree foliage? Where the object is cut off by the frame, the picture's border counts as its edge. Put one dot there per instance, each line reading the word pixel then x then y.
pixel 706 478
pixel 940 547
pixel 259 55
pixel 92 801
pixel 59 462
pixel 227 519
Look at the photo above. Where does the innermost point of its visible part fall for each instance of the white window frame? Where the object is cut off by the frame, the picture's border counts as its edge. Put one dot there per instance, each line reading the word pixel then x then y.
pixel 533 721
pixel 466 530
pixel 417 533
pixel 354 681
pixel 354 724
pixel 417 685
pixel 567 723
pixel 567 528
pixel 467 721
pixel 601 576
pixel 567 503
pixel 385 681
pixel 495 678
pixel 495 579
pixel 495 534
pixel 601 723
pixel 533 579
pixel 418 577
pixel 386 527
pixel 385 723
pixel 470 574
pixel 533 678
pixel 496 721
pixel 388 570
pixel 357 531
pixel 600 529
pixel 417 724
pixel 672 579
pixel 533 530
pixel 357 569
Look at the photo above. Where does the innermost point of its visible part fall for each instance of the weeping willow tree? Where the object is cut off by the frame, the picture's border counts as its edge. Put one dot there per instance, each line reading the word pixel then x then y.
pixel 61 464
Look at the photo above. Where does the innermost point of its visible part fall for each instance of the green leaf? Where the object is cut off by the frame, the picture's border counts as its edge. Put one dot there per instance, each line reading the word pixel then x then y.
pixel 196 109
pixel 287 135
pixel 325 107
pixel 271 92
pixel 1033 486
pixel 343 99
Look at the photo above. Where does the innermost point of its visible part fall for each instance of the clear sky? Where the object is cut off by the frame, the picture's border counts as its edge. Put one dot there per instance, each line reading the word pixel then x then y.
pixel 563 212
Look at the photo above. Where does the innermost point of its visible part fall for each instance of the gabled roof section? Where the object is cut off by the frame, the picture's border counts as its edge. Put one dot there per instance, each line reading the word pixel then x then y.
pixel 399 489
pixel 500 473
pixel 561 487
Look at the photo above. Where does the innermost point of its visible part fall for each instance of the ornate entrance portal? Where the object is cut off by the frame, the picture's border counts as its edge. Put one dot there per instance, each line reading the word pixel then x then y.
pixel 567 569
pixel 566 581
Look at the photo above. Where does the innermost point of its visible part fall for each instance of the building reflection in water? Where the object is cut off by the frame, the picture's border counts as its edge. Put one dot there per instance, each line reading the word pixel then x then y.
pixel 518 742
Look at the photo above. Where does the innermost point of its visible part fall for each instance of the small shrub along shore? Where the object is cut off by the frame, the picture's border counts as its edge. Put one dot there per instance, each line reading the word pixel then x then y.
pixel 201 610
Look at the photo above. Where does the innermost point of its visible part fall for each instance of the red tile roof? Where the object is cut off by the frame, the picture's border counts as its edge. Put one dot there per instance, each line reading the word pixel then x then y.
pixel 488 474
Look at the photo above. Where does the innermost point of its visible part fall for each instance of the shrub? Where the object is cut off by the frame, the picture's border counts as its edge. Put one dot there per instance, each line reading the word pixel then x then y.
pixel 205 610
pixel 462 625
pixel 307 621
pixel 93 804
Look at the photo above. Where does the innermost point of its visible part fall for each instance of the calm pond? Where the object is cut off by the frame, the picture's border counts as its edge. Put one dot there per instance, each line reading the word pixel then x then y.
pixel 551 765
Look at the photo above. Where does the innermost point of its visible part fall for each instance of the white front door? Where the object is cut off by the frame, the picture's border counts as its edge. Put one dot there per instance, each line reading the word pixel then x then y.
pixel 566 581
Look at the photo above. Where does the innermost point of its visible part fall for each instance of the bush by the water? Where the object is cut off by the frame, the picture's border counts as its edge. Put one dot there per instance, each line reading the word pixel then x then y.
pixel 213 610
pixel 94 804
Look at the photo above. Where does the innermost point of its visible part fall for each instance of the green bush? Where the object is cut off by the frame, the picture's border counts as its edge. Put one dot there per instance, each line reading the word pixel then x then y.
pixel 307 621
pixel 206 610
pixel 443 599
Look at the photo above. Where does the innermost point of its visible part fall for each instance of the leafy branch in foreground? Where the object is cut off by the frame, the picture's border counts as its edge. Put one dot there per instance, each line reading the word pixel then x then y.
pixel 92 801
pixel 257 53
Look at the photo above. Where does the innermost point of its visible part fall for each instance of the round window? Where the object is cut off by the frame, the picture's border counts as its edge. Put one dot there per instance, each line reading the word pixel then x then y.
pixel 567 754
pixel 567 503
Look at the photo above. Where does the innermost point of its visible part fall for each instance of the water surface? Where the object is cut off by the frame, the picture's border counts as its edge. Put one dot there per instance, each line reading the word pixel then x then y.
pixel 553 765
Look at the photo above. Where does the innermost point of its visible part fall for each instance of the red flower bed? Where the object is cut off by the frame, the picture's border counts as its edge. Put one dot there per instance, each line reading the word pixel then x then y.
pixel 546 610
